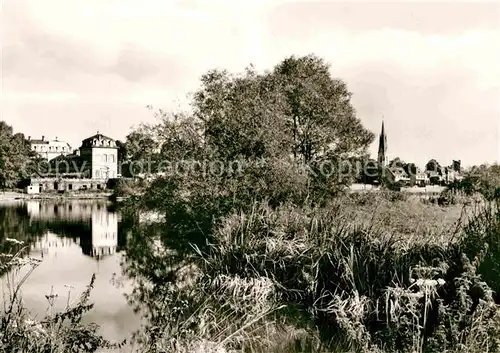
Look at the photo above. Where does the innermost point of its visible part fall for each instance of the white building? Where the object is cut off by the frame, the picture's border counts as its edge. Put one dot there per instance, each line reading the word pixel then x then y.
pixel 50 149
pixel 100 155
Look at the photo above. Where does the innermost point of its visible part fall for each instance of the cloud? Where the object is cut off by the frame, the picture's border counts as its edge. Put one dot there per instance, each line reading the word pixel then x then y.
pixel 135 64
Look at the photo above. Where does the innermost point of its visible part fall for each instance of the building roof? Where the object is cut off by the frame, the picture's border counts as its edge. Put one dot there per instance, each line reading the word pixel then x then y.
pixel 99 137
pixel 398 170
pixel 98 140
pixel 382 145
pixel 47 142
pixel 44 142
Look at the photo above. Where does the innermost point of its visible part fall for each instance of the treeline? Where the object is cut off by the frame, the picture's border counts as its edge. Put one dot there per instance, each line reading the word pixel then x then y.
pixel 483 179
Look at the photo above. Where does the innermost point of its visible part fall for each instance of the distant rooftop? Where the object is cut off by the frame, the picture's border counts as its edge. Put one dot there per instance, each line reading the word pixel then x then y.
pixel 98 140
pixel 98 136
pixel 44 141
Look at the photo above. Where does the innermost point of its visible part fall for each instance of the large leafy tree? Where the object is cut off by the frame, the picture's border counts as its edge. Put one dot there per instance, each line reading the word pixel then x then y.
pixel 14 156
pixel 319 111
pixel 292 128
pixel 297 110
pixel 242 116
pixel 397 163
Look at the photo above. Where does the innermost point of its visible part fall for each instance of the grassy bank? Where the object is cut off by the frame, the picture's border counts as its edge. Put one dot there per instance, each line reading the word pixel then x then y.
pixel 374 272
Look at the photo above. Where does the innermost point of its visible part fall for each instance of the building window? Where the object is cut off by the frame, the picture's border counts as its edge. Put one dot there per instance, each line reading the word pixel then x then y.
pixel 112 158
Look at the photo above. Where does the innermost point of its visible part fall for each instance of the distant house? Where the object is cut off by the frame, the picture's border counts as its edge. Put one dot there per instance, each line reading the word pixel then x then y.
pixel 434 177
pixel 421 178
pixel 446 175
pixel 398 175
pixel 453 173
pixel 50 149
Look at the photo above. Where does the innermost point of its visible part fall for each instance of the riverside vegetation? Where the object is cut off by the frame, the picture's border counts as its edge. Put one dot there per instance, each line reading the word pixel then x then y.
pixel 278 257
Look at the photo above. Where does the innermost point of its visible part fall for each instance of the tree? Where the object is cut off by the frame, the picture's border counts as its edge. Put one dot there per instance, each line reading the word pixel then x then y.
pixel 410 168
pixel 141 150
pixel 484 179
pixel 242 116
pixel 433 166
pixel 140 145
pixel 292 129
pixel 14 156
pixel 122 151
pixel 397 163
pixel 297 109
pixel 319 111
pixel 180 137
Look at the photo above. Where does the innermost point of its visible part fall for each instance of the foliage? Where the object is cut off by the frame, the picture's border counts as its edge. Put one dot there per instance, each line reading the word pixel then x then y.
pixel 123 154
pixel 297 109
pixel 15 156
pixel 58 331
pixel 434 166
pixel 483 179
pixel 339 278
pixel 295 120
pixel 267 254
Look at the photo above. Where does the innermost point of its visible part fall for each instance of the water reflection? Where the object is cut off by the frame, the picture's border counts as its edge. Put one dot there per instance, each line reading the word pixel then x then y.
pixel 76 239
pixel 91 226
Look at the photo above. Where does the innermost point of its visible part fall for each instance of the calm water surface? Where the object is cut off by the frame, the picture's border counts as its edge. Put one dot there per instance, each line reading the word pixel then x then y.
pixel 75 239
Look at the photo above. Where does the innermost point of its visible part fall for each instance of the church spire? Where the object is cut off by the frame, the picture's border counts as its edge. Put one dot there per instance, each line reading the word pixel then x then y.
pixel 382 147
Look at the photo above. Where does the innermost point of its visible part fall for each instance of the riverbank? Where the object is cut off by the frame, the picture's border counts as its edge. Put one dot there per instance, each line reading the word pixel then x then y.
pixel 9 196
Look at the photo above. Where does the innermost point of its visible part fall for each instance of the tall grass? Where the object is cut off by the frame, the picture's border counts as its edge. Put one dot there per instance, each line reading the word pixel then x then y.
pixel 369 274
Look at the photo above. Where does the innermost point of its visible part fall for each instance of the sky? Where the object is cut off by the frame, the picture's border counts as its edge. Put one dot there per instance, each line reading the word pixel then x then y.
pixel 70 68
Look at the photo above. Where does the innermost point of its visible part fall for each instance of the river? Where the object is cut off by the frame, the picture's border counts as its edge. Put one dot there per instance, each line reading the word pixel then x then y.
pixel 74 239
